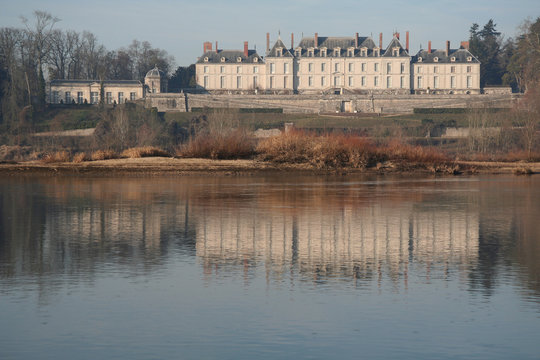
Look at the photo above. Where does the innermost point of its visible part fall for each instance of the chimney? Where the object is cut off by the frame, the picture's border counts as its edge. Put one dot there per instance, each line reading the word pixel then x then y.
pixel 397 35
pixel 267 43
pixel 407 41
pixel 356 40
pixel 429 47
pixel 380 41
pixel 316 40
pixel 207 46
pixel 292 40
pixel 447 47
pixel 465 45
pixel 216 48
pixel 246 52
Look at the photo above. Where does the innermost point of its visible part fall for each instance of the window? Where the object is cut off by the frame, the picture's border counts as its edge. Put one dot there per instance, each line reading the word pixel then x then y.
pixel 351 81
pixel 222 69
pixel 363 67
pixel 285 78
pixel 336 67
pixel 435 69
pixel 376 81
pixel 222 59
pixel 402 82
pixel 205 84
pixel 419 69
pixel 435 82
pixel 239 59
pixel 337 52
pixel 286 68
pixel 206 59
pixel 419 82
pixel 80 99
pixel 310 67
pixel 376 52
pixel 419 59
pixel 255 69
pixel 238 69
pixel 323 52
pixel 453 59
pixel 363 81
pixel 68 97
pixel 453 82
pixel 435 59
pixel 388 68
pixel 55 97
pixel 94 97
pixel 206 69
pixel 469 82
pixel 469 69
pixel 272 82
pixel 469 59
pixel 452 69
pixel 280 52
pixel 363 52
pixel 376 67
pixel 256 59
pixel 323 81
pixel 272 68
pixel 323 67
pixel 132 96
pixel 255 82
pixel 222 82
pixel 310 81
pixel 337 81
pixel 120 97
pixel 395 52
pixel 351 67
pixel 388 82
pixel 108 97
pixel 238 82
pixel 402 68
pixel 350 52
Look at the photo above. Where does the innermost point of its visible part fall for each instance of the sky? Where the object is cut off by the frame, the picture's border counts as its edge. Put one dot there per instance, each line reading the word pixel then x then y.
pixel 180 27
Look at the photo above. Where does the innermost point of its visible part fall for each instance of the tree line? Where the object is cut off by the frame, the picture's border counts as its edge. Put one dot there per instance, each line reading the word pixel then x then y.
pixel 514 61
pixel 38 49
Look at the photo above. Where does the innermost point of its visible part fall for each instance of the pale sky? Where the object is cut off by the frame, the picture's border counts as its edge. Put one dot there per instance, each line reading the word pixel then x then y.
pixel 180 27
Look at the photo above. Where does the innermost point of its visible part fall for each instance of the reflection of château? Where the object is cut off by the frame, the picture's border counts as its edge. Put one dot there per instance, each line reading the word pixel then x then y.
pixel 341 242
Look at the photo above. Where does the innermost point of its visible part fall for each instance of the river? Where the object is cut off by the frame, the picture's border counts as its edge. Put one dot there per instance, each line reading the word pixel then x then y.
pixel 270 267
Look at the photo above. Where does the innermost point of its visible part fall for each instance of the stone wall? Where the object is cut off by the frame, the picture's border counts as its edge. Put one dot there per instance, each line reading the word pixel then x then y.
pixel 385 104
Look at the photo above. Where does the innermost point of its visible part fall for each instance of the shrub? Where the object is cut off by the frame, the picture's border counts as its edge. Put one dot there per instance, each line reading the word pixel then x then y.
pixel 145 151
pixel 56 157
pixel 103 155
pixel 235 144
pixel 80 157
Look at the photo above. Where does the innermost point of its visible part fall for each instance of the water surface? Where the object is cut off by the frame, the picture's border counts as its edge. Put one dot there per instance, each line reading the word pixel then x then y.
pixel 270 267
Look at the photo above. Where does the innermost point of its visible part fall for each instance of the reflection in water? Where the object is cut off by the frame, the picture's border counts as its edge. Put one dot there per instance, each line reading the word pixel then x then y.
pixel 322 230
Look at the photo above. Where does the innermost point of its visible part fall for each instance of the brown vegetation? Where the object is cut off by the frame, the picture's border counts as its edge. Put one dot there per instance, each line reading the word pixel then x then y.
pixel 144 151
pixel 56 157
pixel 80 157
pixel 234 144
pixel 103 155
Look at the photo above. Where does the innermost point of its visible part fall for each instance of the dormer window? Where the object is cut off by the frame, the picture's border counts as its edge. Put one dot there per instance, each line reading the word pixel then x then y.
pixel 376 52
pixel 222 59
pixel 323 52
pixel 453 59
pixel 350 52
pixel 363 51
pixel 256 59
pixel 311 52
pixel 239 59
pixel 298 52
pixel 436 59
pixel 279 52
pixel 419 59
pixel 395 51
pixel 469 58
pixel 337 52
pixel 206 59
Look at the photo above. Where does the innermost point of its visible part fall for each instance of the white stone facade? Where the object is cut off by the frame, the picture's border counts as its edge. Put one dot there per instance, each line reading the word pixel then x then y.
pixel 337 65
pixel 89 91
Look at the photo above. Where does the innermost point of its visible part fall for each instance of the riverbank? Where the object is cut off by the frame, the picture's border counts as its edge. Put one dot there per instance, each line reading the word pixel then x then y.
pixel 150 166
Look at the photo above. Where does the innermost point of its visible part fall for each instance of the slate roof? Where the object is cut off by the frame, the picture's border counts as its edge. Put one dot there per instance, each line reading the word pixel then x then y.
pixel 460 54
pixel 155 73
pixel 230 56
pixel 274 51
pixel 393 44
pixel 343 43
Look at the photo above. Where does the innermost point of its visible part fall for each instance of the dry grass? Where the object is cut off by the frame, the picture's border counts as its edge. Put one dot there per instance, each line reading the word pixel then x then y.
pixel 336 150
pixel 145 151
pixel 80 157
pixel 236 144
pixel 56 157
pixel 523 171
pixel 103 155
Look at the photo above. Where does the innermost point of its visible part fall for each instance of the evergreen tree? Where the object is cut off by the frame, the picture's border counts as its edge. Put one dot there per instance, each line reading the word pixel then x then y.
pixel 485 44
